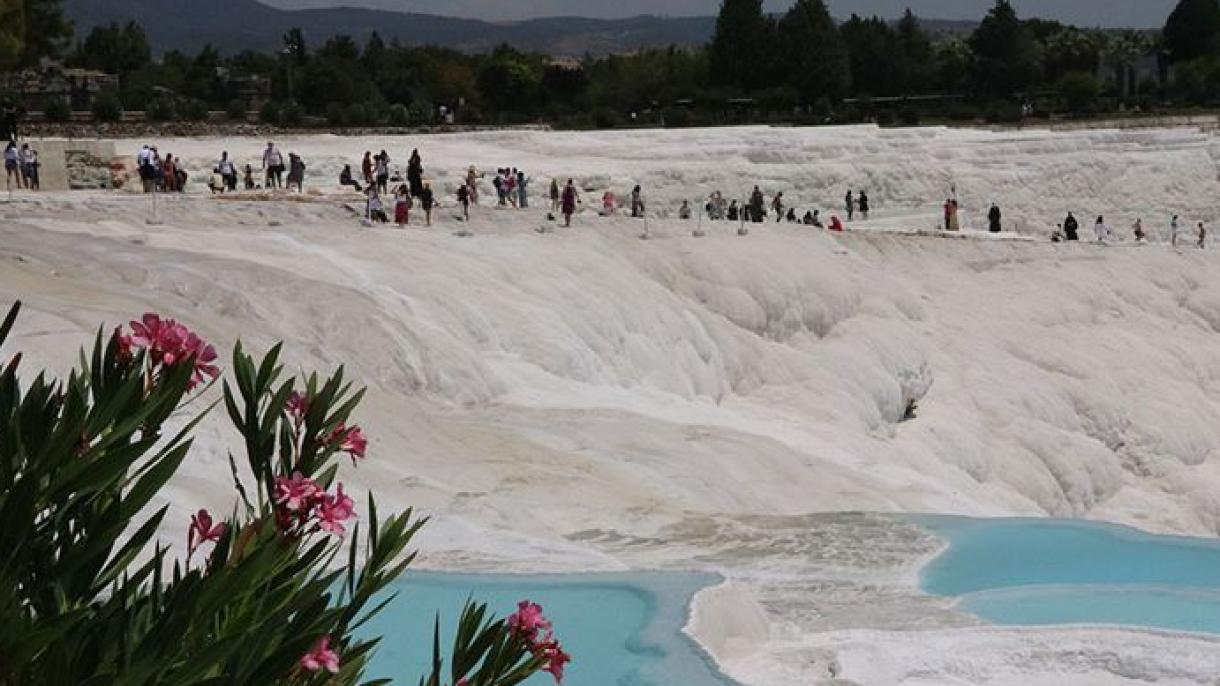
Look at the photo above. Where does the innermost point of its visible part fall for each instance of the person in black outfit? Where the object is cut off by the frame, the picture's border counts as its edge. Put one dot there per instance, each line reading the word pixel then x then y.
pixel 993 218
pixel 345 178
pixel 8 121
pixel 427 201
pixel 1070 226
pixel 757 211
pixel 415 174
pixel 862 201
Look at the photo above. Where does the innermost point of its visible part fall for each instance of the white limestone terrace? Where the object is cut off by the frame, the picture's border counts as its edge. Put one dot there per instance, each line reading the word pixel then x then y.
pixel 585 400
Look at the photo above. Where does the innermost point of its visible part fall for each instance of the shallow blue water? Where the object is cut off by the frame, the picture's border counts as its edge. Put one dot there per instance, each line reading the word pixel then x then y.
pixel 621 629
pixel 1027 571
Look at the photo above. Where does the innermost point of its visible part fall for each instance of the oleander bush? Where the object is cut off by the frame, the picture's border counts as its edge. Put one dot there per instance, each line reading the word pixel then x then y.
pixel 272 593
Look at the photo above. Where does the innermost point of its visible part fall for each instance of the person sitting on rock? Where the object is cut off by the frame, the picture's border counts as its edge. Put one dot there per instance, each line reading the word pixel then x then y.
pixel 345 178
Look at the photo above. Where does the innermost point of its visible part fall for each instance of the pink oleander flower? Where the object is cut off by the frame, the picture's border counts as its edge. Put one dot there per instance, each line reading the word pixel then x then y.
pixel 528 621
pixel 321 657
pixel 126 352
pixel 297 406
pixel 204 356
pixel 555 658
pixel 333 510
pixel 202 530
pixel 169 342
pixel 462 682
pixel 296 493
pixel 351 441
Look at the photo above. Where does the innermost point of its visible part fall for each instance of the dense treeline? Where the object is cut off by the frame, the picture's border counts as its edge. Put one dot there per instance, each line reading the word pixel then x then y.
pixel 801 65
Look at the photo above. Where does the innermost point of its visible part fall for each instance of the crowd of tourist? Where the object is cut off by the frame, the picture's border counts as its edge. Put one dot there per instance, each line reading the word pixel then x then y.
pixel 391 194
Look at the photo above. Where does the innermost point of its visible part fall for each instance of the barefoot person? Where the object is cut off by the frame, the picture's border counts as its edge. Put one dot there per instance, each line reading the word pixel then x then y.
pixel 273 165
pixel 523 198
pixel 463 198
pixel 376 208
pixel 296 172
pixel 12 166
pixel 1102 231
pixel 472 184
pixel 426 201
pixel 402 206
pixel 568 202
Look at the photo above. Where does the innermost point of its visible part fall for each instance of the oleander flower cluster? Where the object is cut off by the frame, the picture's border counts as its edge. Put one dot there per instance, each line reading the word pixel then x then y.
pixel 529 624
pixel 304 507
pixel 168 343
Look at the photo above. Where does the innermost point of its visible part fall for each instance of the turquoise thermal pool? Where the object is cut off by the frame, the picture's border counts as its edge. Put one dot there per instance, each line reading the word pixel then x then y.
pixel 1038 572
pixel 621 629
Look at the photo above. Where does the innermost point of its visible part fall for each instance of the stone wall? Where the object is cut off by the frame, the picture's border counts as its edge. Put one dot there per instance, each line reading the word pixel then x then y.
pixel 72 164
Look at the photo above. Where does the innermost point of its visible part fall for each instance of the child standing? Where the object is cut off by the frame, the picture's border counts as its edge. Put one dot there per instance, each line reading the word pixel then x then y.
pixel 463 197
pixel 402 206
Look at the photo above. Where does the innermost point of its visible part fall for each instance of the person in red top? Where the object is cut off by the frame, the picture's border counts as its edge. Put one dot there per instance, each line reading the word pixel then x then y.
pixel 835 224
pixel 169 170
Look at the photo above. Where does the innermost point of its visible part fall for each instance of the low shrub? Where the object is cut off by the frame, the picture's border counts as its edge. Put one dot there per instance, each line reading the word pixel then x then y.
pixel 237 110
pixel 106 107
pixel 57 111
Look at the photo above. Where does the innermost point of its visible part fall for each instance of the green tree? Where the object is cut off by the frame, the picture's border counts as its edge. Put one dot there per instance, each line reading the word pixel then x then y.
pixel 563 83
pixel 107 107
pixel 46 30
pixel 12 33
pixel 739 49
pixel 1070 50
pixel 201 79
pixel 874 61
pixel 952 60
pixel 334 75
pixel 816 61
pixel 1079 91
pixel 509 81
pixel 1198 81
pixel 1193 29
pixel 294 46
pixel 373 60
pixel 114 49
pixel 917 68
pixel 1006 56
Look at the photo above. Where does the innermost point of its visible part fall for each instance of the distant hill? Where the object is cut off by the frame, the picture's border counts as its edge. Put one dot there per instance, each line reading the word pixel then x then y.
pixel 235 25
pixel 948 28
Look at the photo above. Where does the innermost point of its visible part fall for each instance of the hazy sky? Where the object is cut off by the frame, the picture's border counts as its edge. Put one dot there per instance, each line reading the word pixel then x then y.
pixel 1136 13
